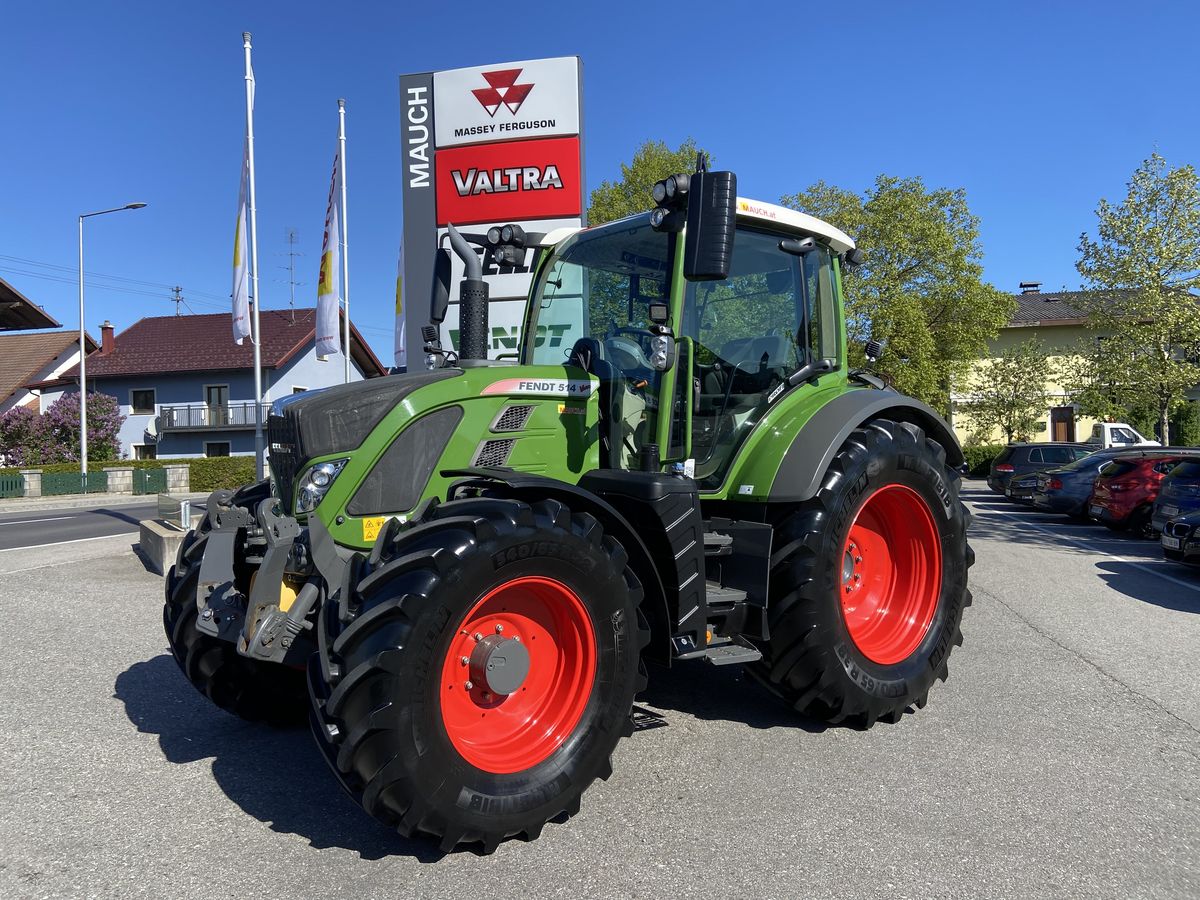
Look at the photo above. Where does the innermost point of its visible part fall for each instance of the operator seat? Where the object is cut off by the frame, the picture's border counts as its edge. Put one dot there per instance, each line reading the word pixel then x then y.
pixel 588 354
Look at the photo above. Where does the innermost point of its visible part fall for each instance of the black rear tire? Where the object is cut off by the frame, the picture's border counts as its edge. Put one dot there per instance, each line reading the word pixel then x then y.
pixel 380 709
pixel 251 690
pixel 812 660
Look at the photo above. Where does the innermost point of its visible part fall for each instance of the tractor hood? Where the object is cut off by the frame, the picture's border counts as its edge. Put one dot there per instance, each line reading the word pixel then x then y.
pixel 335 420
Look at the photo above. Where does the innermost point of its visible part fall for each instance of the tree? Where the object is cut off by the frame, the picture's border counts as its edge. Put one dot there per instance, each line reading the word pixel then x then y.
pixel 1142 267
pixel 652 162
pixel 27 439
pixel 921 286
pixel 1009 391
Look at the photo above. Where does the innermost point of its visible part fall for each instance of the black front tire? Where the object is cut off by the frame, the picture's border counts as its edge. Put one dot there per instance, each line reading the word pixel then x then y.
pixel 376 681
pixel 811 660
pixel 251 690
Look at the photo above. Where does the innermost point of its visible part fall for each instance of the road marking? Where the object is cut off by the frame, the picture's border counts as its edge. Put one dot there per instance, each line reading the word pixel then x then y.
pixel 35 521
pixel 98 537
pixel 1152 570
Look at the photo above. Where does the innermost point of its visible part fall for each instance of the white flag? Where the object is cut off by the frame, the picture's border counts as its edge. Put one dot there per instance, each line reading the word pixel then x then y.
pixel 329 285
pixel 401 347
pixel 241 266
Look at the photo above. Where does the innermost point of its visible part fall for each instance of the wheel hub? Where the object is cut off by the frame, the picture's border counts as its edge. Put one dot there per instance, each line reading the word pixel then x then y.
pixel 500 664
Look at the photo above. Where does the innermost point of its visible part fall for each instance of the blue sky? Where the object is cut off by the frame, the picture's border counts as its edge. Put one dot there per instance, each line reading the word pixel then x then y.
pixel 1037 109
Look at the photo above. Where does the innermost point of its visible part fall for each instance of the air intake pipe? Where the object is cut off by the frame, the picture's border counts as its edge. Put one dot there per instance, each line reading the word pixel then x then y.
pixel 473 301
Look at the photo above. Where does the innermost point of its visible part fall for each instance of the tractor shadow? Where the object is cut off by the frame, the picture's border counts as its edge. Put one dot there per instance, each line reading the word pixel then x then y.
pixel 277 776
pixel 721 693
pixel 1132 581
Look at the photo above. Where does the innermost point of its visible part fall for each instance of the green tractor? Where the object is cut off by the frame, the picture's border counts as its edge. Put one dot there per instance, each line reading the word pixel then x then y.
pixel 459 574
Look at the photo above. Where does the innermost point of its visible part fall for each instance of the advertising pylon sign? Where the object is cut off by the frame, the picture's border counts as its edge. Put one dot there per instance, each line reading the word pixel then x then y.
pixel 483 146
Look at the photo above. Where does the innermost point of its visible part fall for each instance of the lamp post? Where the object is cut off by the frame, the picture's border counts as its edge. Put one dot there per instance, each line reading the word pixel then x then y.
pixel 83 341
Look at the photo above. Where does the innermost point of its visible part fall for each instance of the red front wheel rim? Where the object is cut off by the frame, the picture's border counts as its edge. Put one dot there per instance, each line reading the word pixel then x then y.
pixel 891 574
pixel 518 674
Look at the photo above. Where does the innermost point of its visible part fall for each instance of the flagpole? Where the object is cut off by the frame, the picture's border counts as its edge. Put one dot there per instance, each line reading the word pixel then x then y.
pixel 345 230
pixel 256 339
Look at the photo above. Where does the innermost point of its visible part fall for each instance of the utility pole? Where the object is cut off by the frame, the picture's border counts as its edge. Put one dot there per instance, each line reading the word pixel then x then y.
pixel 178 298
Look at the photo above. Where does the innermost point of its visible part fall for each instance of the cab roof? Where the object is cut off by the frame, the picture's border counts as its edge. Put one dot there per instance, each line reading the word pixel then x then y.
pixel 756 210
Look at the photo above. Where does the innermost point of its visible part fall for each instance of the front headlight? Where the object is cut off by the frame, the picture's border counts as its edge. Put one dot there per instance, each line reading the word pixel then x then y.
pixel 315 483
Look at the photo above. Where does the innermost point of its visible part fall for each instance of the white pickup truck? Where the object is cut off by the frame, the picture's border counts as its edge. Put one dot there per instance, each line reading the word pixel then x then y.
pixel 1117 434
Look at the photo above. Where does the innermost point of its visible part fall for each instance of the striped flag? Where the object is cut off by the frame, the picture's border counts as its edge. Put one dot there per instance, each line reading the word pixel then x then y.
pixel 329 285
pixel 241 266
pixel 401 352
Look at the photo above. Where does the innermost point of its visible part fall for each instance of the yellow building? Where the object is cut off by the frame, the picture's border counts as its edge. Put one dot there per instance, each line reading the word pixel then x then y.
pixel 1059 321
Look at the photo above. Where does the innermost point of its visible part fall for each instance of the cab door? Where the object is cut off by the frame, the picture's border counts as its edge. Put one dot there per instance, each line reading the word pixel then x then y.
pixel 743 337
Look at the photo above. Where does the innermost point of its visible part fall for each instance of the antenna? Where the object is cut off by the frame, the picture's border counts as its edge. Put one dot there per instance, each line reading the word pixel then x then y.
pixel 292 253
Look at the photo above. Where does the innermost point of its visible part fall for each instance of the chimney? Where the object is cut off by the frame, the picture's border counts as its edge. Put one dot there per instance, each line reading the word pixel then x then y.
pixel 107 342
pixel 1031 287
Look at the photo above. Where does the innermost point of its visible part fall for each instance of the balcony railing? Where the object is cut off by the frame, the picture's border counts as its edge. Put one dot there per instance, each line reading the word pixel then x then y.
pixel 201 417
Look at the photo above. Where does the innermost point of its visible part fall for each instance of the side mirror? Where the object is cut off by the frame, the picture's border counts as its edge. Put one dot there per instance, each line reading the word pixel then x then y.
pixel 711 221
pixel 855 257
pixel 439 300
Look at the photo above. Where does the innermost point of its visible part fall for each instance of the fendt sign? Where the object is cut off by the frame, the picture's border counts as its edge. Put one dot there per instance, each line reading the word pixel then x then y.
pixel 485 146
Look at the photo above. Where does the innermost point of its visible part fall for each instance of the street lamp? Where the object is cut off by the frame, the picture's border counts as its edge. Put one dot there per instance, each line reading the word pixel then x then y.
pixel 83 341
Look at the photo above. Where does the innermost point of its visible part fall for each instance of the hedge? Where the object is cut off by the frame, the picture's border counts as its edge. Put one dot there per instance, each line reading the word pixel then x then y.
pixel 207 473
pixel 215 472
pixel 979 458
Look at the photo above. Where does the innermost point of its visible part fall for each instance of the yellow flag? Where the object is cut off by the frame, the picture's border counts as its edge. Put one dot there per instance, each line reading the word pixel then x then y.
pixel 329 284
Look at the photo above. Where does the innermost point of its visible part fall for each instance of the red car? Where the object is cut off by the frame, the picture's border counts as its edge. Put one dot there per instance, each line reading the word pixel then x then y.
pixel 1125 490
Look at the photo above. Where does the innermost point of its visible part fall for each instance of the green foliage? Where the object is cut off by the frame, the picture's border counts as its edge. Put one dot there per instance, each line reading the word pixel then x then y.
pixel 28 439
pixel 979 458
pixel 206 473
pixel 1009 391
pixel 216 472
pixel 652 162
pixel 1185 426
pixel 1142 267
pixel 921 287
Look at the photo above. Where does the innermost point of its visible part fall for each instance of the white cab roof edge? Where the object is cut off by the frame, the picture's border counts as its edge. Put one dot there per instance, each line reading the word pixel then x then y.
pixel 837 239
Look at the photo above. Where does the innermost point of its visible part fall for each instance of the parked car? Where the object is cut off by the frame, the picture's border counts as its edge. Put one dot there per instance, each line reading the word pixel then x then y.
pixel 1117 434
pixel 1126 488
pixel 1066 489
pixel 1178 495
pixel 1020 487
pixel 1181 539
pixel 1021 458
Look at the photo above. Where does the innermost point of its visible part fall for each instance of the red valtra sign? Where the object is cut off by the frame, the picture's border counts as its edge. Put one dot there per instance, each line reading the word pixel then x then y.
pixel 509 182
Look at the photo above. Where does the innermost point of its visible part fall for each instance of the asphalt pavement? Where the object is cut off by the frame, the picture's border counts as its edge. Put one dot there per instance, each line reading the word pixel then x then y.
pixel 42 526
pixel 1062 759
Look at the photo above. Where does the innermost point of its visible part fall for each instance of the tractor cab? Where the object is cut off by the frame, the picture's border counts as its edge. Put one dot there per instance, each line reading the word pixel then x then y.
pixel 688 366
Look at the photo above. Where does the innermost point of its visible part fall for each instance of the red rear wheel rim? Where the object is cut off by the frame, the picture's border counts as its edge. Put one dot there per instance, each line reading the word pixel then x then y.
pixel 891 574
pixel 511 732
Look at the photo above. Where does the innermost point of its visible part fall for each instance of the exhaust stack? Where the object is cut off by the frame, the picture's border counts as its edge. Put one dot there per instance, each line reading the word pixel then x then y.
pixel 473 301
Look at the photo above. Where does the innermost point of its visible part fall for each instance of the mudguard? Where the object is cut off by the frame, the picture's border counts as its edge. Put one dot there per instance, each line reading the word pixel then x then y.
pixel 804 464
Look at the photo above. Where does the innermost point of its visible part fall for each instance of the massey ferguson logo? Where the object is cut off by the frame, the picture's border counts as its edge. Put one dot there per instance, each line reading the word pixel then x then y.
pixel 503 88
pixel 501 181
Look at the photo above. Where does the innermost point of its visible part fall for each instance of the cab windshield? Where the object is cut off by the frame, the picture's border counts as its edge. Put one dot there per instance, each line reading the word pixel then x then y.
pixel 594 295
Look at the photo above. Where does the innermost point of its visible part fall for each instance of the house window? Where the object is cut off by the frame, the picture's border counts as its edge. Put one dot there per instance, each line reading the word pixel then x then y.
pixel 298 390
pixel 145 451
pixel 141 402
pixel 216 448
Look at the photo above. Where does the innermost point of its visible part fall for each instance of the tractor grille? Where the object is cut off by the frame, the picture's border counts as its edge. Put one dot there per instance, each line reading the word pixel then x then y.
pixel 513 418
pixel 493 453
pixel 283 439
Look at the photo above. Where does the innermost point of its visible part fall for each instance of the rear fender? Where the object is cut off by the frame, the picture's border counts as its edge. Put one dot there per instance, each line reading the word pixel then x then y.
pixel 531 488
pixel 822 435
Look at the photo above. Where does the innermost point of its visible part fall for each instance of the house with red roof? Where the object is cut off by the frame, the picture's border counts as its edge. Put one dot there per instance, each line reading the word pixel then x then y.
pixel 35 356
pixel 187 389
